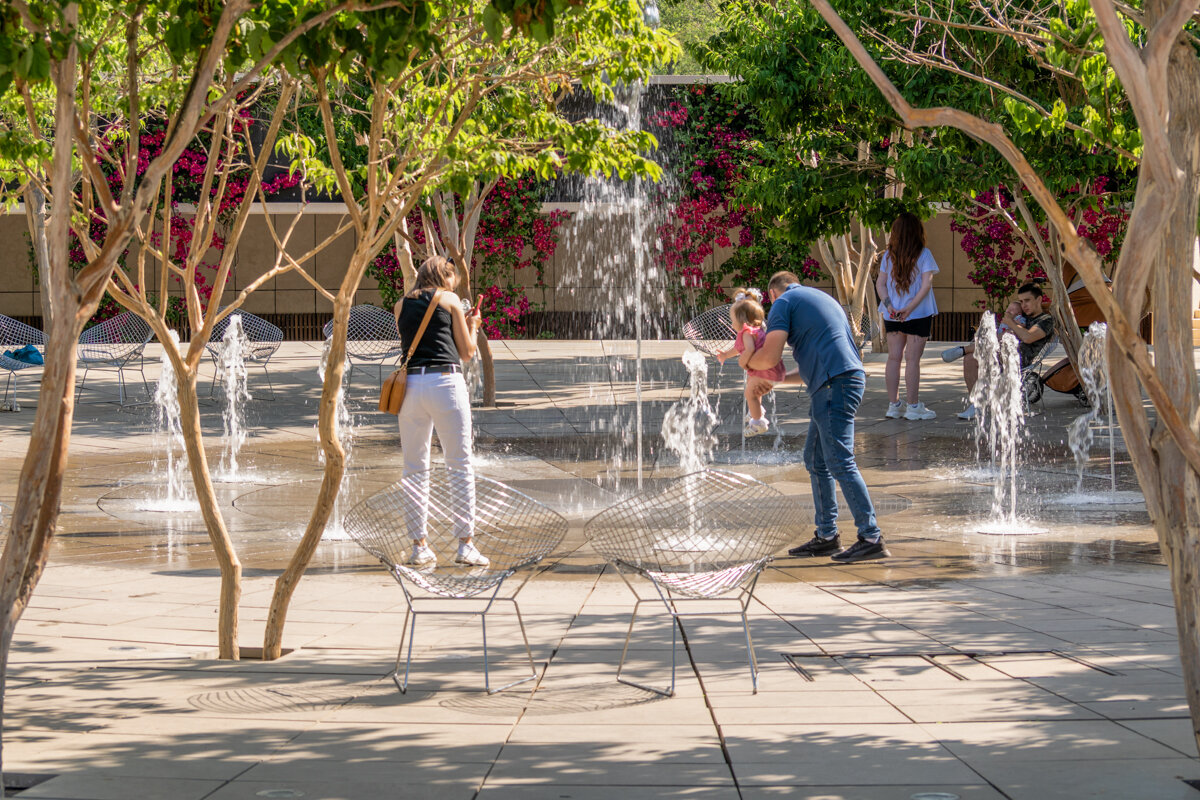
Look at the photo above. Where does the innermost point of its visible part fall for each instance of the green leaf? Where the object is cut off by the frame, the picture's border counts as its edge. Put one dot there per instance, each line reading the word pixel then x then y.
pixel 493 23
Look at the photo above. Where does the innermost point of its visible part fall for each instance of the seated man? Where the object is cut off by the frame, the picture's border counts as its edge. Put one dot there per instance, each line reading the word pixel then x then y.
pixel 1027 320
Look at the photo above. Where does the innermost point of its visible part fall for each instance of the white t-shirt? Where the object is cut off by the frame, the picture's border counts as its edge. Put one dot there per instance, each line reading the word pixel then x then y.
pixel 928 306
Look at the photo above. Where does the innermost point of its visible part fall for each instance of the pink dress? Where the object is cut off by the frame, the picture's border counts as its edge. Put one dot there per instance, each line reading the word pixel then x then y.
pixel 776 372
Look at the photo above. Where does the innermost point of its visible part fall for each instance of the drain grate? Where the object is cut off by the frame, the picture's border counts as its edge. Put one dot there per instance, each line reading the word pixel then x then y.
pixel 932 658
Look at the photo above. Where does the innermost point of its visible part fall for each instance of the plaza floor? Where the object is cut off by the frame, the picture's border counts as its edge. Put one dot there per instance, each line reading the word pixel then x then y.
pixel 966 665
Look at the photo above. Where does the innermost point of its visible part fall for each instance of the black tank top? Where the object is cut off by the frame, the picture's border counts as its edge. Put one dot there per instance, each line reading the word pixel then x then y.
pixel 436 348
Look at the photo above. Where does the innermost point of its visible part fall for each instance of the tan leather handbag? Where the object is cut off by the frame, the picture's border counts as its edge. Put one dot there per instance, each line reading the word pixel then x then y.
pixel 391 396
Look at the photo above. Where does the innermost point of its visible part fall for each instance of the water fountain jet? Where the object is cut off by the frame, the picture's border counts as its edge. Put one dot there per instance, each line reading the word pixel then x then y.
pixel 343 422
pixel 999 424
pixel 179 496
pixel 1093 375
pixel 231 373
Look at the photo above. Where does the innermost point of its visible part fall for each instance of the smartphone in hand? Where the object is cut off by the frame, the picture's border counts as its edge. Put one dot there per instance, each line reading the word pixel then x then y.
pixel 478 304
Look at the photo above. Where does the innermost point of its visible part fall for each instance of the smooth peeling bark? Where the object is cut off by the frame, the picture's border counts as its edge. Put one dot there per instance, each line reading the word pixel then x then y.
pixel 36 507
pixel 1177 518
pixel 39 490
pixel 218 534
pixel 335 465
pixel 488 365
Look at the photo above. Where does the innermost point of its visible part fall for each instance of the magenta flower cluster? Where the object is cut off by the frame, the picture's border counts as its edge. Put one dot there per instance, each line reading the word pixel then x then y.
pixel 513 235
pixel 999 261
pixel 704 216
pixel 187 182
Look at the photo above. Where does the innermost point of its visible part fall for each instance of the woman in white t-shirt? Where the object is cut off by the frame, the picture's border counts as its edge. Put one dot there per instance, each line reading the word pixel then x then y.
pixel 905 285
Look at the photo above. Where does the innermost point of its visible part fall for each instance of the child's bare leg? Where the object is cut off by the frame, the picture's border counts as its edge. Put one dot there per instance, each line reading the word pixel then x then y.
pixel 753 402
pixel 756 390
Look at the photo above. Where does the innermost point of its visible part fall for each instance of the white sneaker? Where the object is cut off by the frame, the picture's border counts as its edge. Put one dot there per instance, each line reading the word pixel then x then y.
pixel 952 354
pixel 755 427
pixel 422 554
pixel 468 554
pixel 895 410
pixel 968 412
pixel 919 411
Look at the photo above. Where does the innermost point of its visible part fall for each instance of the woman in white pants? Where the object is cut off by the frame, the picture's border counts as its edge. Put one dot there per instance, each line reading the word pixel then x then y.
pixel 436 399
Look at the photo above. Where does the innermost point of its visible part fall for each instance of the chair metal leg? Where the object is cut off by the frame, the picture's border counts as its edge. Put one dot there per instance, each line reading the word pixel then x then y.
pixel 7 384
pixel 750 650
pixel 668 692
pixel 403 686
pixel 212 386
pixel 82 381
pixel 145 383
pixel 411 610
pixel 749 598
pixel 270 386
pixel 528 651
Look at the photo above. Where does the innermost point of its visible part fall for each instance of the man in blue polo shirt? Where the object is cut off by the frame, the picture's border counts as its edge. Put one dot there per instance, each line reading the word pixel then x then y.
pixel 827 362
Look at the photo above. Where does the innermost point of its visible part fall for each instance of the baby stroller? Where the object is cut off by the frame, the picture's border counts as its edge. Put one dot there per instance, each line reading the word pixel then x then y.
pixel 1060 377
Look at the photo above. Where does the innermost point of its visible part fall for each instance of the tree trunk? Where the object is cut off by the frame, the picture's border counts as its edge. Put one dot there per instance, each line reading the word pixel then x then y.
pixel 488 365
pixel 35 215
pixel 35 509
pixel 39 489
pixel 1170 484
pixel 1179 522
pixel 331 479
pixel 231 568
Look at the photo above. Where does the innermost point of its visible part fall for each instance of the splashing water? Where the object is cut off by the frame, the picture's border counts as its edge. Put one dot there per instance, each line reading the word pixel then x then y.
pixel 231 372
pixel 1093 375
pixel 688 425
pixel 169 430
pixel 999 422
pixel 343 425
pixel 611 243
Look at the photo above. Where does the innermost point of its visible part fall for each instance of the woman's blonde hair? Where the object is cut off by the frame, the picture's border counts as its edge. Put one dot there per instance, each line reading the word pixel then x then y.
pixel 435 273
pixel 747 307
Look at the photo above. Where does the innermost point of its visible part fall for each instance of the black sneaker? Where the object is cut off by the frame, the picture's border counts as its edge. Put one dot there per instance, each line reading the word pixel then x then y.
pixel 816 547
pixel 862 551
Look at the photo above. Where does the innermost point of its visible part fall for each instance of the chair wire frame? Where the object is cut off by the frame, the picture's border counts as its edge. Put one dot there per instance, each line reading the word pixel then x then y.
pixel 702 537
pixel 265 340
pixel 371 338
pixel 116 343
pixel 513 530
pixel 711 332
pixel 13 335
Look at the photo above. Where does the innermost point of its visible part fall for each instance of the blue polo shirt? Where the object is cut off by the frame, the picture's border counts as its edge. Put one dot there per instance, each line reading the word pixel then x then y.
pixel 820 336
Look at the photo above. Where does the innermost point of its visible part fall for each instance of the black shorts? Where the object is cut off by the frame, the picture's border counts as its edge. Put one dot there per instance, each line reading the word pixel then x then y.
pixel 921 326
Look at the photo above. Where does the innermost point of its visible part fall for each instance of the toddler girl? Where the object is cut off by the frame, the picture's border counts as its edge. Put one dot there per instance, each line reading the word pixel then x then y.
pixel 747 316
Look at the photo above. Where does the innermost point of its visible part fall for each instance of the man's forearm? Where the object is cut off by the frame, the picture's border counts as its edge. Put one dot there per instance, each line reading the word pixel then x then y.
pixel 793 378
pixel 759 360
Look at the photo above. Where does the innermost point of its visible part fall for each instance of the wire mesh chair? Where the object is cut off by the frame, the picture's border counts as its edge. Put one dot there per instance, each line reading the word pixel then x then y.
pixel 116 343
pixel 13 335
pixel 371 338
pixel 699 538
pixel 711 332
pixel 265 340
pixel 511 529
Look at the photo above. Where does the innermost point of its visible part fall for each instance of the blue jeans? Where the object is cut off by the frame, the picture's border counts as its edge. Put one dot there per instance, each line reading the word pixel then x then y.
pixel 829 456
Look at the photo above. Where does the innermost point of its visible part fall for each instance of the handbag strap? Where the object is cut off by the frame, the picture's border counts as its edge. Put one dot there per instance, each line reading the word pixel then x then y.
pixel 424 324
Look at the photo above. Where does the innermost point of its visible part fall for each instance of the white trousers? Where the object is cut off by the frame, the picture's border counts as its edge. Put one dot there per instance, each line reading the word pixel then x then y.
pixel 438 401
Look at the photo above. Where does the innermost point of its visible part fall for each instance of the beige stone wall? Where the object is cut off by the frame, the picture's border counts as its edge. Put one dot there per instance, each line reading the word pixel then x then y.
pixel 578 278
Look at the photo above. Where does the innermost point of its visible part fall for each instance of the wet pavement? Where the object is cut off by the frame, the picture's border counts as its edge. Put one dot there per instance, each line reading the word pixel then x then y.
pixel 968 664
